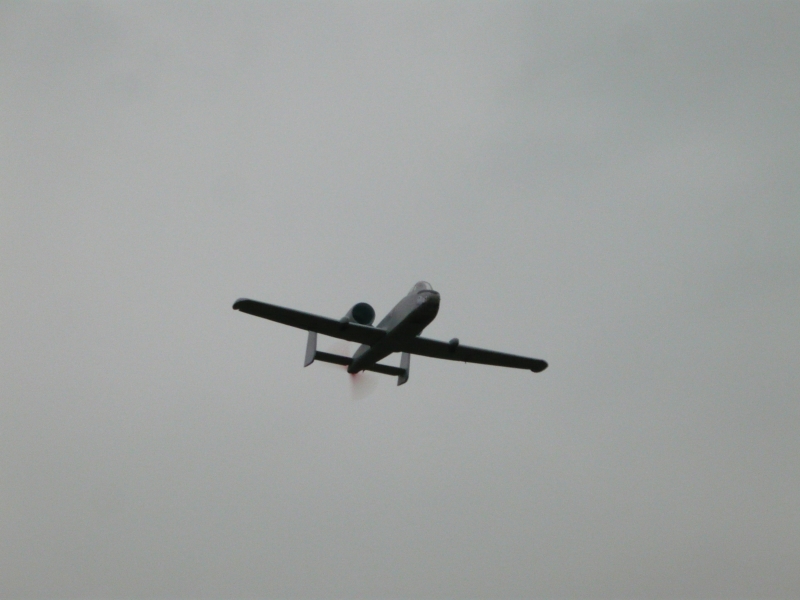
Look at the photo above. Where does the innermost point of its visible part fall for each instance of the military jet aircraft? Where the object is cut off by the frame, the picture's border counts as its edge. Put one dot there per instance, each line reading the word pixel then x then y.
pixel 397 332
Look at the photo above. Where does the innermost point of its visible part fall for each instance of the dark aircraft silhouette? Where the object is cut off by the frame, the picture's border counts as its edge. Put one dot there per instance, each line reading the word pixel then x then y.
pixel 397 332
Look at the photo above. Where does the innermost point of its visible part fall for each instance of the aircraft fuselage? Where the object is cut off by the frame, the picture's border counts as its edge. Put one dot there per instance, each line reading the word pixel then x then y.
pixel 408 318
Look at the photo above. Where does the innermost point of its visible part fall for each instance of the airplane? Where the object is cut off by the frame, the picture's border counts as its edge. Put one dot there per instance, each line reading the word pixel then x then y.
pixel 399 331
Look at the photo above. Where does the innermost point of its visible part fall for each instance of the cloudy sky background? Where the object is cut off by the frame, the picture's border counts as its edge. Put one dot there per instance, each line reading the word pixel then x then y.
pixel 611 187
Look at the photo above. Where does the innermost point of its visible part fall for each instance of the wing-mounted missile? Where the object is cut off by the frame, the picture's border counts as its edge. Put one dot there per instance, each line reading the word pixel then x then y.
pixel 361 313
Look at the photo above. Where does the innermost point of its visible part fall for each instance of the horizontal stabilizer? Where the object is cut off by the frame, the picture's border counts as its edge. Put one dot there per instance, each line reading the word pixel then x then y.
pixel 336 359
pixel 313 354
pixel 386 369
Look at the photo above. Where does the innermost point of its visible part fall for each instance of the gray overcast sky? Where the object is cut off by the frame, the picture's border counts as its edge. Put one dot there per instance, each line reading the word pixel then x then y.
pixel 613 187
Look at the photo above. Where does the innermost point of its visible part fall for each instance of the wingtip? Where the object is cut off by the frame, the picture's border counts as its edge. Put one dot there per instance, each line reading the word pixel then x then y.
pixel 541 366
pixel 238 303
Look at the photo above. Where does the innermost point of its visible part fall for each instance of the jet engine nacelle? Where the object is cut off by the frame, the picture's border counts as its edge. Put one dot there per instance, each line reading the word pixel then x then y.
pixel 361 313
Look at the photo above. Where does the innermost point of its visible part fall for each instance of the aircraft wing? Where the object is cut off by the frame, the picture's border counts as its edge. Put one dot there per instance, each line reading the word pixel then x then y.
pixel 352 332
pixel 436 349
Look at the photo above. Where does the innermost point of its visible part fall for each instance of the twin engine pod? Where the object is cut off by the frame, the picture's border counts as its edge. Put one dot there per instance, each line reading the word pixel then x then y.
pixel 361 313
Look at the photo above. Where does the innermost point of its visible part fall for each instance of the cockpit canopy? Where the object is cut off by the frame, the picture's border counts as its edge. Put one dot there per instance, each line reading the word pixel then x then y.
pixel 420 286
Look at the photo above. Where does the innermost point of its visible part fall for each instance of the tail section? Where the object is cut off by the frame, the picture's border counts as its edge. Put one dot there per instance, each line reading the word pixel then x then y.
pixel 311 348
pixel 313 354
pixel 405 366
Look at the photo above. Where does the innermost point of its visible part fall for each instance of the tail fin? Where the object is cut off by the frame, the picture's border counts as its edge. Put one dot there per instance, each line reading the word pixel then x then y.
pixel 405 364
pixel 311 348
pixel 313 354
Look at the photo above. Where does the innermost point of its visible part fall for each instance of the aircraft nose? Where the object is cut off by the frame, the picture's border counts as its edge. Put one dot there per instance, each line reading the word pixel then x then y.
pixel 428 298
